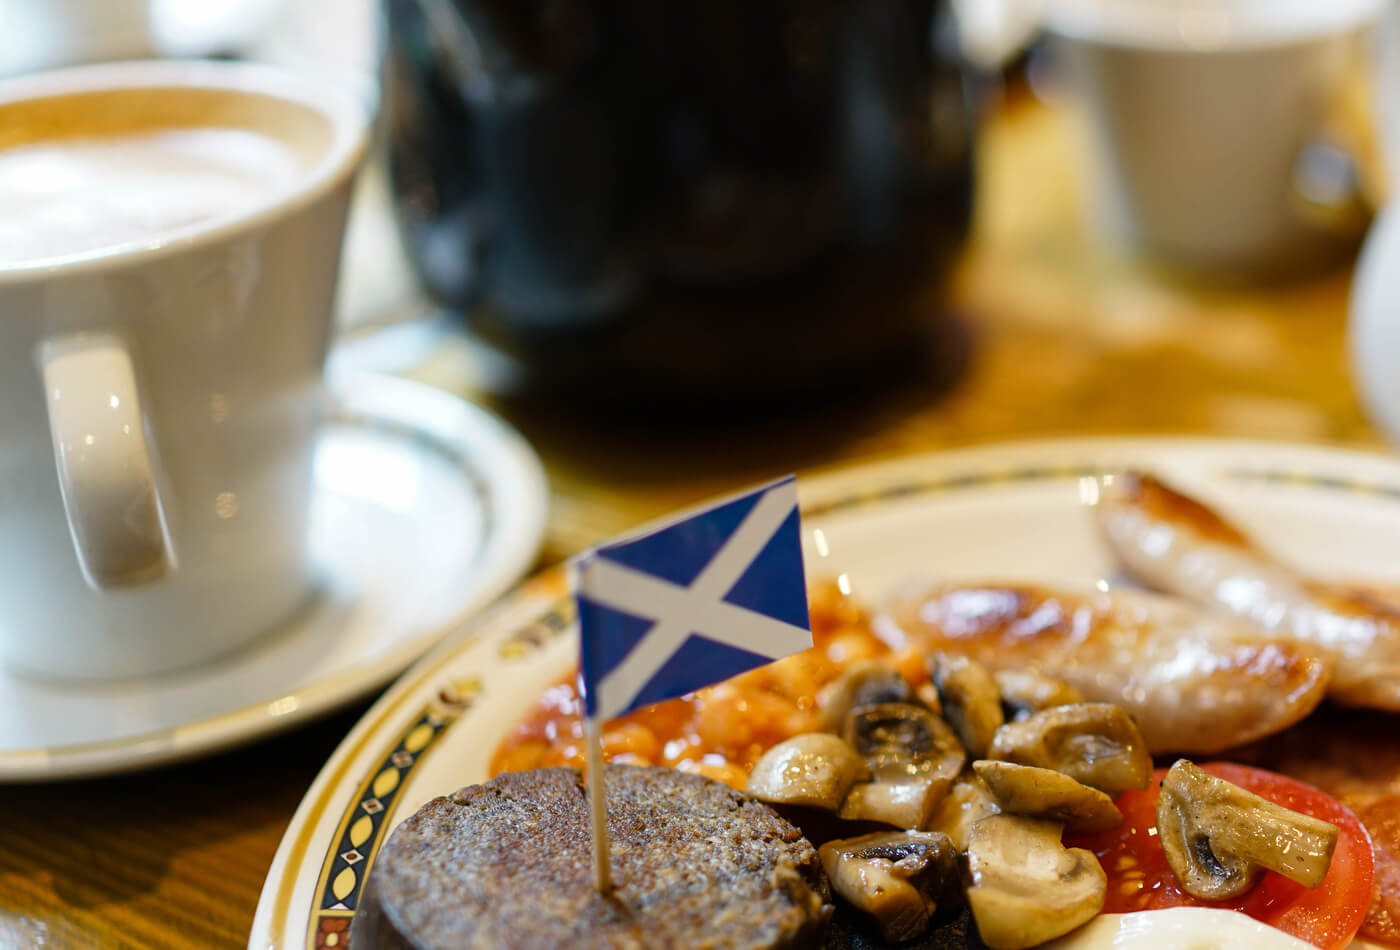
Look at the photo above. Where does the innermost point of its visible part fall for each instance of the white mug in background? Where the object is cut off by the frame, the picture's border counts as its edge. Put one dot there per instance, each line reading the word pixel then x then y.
pixel 1211 122
pixel 44 34
pixel 48 34
pixel 1373 330
pixel 159 391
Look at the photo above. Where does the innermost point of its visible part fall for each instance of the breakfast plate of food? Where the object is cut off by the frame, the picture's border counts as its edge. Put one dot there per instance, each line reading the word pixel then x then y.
pixel 1076 694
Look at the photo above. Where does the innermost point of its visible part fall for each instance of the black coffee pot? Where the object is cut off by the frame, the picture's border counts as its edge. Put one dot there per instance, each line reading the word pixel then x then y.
pixel 703 197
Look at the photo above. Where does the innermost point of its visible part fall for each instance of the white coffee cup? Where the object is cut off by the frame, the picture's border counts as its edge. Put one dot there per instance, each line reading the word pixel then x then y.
pixel 161 350
pixel 1210 123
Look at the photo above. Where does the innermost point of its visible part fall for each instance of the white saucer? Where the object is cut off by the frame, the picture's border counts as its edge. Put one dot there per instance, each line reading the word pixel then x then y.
pixel 426 508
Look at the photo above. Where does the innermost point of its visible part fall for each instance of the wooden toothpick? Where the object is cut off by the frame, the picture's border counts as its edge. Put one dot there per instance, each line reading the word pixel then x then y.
pixel 598 799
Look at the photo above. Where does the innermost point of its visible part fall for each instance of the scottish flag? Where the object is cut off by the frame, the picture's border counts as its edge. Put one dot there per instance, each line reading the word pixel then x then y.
pixel 692 603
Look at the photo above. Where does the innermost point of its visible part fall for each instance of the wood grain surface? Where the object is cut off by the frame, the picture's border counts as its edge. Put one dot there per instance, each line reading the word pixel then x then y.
pixel 1063 336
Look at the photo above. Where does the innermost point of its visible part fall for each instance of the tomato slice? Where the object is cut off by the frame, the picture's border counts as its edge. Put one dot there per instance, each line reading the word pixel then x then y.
pixel 1327 916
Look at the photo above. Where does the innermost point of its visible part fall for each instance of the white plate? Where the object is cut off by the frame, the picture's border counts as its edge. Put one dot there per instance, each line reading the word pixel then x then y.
pixel 425 509
pixel 1008 512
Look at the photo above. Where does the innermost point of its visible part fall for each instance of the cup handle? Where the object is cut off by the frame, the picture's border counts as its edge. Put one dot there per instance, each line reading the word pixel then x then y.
pixel 106 466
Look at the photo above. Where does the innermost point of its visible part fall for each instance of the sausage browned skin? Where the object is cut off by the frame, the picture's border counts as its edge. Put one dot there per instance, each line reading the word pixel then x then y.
pixel 1179 545
pixel 1195 683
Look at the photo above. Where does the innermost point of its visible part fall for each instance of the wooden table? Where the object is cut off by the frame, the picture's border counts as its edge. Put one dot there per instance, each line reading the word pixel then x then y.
pixel 1068 337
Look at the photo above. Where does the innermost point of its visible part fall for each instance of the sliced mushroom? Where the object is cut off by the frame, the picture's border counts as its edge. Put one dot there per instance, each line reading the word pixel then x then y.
pixel 865 684
pixel 1026 887
pixel 900 740
pixel 1219 838
pixel 913 757
pixel 897 877
pixel 1024 692
pixel 1094 743
pixel 908 804
pixel 815 769
pixel 1044 793
pixel 967 802
pixel 970 698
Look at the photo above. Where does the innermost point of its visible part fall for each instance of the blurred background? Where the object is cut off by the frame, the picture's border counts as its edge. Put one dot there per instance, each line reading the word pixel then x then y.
pixel 940 222
pixel 688 245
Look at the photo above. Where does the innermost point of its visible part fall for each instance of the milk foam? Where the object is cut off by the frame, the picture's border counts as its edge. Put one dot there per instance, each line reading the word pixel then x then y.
pixel 65 197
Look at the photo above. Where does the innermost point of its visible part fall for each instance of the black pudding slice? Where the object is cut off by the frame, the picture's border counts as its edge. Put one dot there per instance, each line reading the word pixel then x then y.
pixel 509 864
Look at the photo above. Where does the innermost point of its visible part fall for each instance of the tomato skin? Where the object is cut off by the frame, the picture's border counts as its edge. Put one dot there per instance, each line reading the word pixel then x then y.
pixel 1327 916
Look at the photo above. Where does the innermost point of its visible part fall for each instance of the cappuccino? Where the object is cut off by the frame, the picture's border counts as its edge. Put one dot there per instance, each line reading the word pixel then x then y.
pixel 75 196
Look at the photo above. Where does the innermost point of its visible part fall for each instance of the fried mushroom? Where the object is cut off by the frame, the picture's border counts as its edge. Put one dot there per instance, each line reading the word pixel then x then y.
pixel 1024 692
pixel 1044 793
pixel 1220 838
pixel 967 802
pixel 815 769
pixel 899 878
pixel 970 698
pixel 913 758
pixel 904 804
pixel 1026 887
pixel 868 683
pixel 900 740
pixel 1097 744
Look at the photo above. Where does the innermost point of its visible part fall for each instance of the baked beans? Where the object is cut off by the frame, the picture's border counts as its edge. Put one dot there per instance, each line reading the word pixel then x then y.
pixel 720 731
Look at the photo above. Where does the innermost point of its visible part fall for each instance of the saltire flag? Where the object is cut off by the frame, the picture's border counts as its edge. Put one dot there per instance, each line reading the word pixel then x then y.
pixel 692 603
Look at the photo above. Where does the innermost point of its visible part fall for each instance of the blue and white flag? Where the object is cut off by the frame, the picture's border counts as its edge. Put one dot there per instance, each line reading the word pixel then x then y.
pixel 693 603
